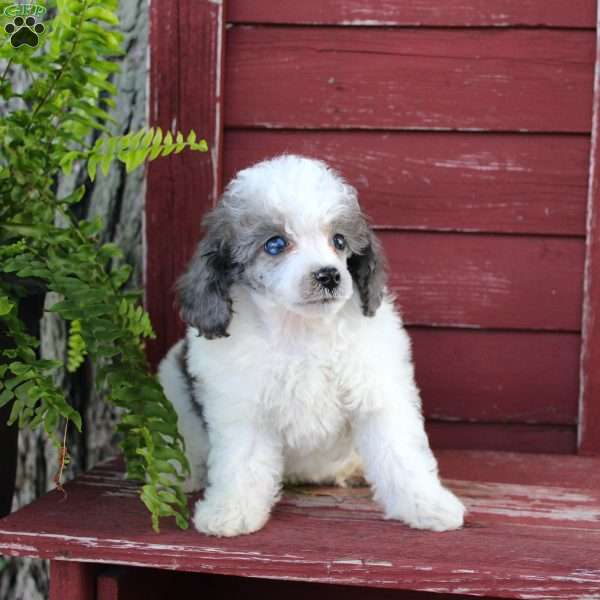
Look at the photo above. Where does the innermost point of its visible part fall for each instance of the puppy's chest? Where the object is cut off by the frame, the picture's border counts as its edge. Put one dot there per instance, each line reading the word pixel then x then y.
pixel 304 400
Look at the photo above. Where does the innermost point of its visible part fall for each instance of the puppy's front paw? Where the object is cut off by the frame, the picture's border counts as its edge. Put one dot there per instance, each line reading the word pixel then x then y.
pixel 441 512
pixel 227 517
pixel 436 509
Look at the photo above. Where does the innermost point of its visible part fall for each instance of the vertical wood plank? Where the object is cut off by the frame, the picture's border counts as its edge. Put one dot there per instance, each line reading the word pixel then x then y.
pixel 589 402
pixel 186 86
pixel 72 580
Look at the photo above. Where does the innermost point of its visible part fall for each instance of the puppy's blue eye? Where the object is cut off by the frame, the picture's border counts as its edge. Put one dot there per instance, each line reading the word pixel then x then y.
pixel 275 245
pixel 339 241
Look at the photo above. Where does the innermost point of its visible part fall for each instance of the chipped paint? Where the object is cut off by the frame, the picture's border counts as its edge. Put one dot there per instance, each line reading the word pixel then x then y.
pixel 435 563
pixel 587 438
pixel 473 162
pixel 363 562
pixel 368 22
pixel 101 484
pixel 215 151
pixel 513 501
pixel 130 545
pixel 15 549
pixel 530 501
pixel 378 563
pixel 463 571
pixel 121 494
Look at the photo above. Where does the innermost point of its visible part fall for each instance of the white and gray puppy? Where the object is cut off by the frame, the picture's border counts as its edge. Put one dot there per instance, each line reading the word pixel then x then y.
pixel 295 366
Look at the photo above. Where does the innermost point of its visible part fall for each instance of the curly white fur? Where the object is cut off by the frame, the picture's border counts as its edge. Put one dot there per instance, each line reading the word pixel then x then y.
pixel 288 381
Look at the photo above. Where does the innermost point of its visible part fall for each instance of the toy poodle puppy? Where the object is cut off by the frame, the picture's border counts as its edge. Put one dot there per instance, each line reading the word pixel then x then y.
pixel 295 365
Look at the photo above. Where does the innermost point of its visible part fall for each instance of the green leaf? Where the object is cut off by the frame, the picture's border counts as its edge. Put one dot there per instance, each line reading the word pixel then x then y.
pixel 92 166
pixel 105 162
pixel 158 136
pixel 76 418
pixel 74 197
pixel 147 140
pixel 5 397
pixel 15 412
pixel 111 250
pixel 102 14
pixel 6 305
pixel 66 162
pixel 155 152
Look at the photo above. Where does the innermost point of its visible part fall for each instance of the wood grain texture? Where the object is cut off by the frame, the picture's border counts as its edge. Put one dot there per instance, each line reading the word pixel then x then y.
pixel 486 281
pixel 531 532
pixel 407 78
pixel 186 43
pixel 512 437
pixel 497 376
pixel 589 432
pixel 510 183
pixel 550 13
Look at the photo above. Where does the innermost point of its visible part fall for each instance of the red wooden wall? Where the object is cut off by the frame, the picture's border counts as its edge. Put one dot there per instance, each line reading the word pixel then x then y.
pixel 466 128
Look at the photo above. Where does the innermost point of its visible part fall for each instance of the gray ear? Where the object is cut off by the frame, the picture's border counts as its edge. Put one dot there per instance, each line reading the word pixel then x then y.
pixel 204 289
pixel 368 269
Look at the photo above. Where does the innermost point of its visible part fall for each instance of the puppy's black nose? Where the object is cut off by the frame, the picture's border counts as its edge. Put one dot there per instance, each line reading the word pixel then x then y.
pixel 328 277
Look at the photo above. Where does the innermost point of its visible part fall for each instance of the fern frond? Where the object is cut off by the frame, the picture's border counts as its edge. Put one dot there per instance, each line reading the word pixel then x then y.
pixel 70 87
pixel 134 149
pixel 76 347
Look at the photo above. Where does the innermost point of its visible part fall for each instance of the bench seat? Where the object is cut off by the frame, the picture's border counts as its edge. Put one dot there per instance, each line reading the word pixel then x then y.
pixel 533 531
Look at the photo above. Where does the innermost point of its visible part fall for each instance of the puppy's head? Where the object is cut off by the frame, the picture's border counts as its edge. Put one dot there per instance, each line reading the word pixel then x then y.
pixel 291 230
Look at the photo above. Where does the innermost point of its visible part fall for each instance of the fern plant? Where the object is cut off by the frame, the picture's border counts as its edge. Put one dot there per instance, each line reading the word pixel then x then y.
pixel 60 117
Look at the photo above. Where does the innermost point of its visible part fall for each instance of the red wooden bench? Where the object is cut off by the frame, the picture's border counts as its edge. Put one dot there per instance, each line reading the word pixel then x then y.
pixel 530 534
pixel 470 130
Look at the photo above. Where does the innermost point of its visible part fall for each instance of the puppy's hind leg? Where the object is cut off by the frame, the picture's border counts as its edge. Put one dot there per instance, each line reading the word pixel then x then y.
pixel 180 389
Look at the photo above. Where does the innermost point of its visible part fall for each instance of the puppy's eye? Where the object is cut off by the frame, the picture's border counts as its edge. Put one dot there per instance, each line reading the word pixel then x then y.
pixel 275 245
pixel 339 241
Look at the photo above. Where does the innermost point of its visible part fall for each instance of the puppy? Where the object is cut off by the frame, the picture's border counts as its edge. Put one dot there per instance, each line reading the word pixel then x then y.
pixel 295 365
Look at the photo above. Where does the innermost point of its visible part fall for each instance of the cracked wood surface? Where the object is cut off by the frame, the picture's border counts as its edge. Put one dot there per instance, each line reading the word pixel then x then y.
pixel 486 281
pixel 349 95
pixel 340 78
pixel 498 183
pixel 373 13
pixel 186 51
pixel 532 531
pixel 589 414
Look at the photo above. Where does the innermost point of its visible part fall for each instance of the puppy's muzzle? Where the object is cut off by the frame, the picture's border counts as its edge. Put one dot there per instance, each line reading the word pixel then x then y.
pixel 328 278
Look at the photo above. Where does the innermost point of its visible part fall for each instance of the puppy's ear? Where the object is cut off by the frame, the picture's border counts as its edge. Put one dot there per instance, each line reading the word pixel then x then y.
pixel 204 289
pixel 368 269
